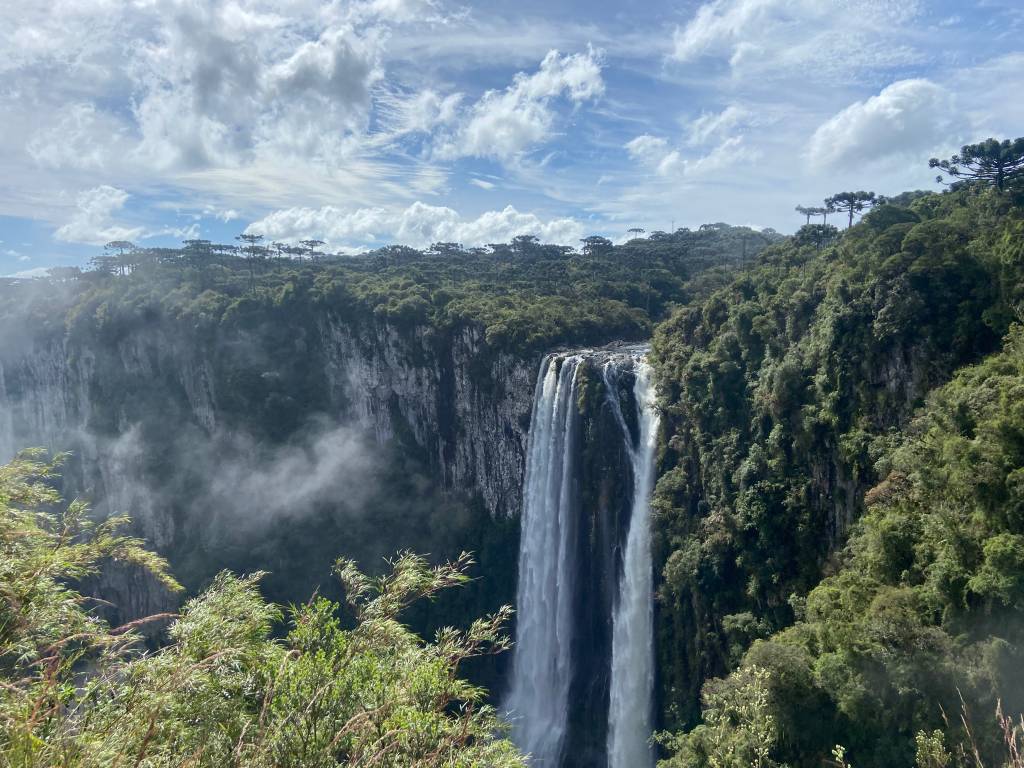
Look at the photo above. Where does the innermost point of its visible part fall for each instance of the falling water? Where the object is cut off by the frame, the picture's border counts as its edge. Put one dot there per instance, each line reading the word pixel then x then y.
pixel 629 714
pixel 583 664
pixel 538 701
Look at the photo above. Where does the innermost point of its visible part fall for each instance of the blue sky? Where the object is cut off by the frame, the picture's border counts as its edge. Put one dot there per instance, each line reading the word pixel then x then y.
pixel 412 121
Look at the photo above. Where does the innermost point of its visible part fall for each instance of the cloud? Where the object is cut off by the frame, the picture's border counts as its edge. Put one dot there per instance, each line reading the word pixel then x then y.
pixel 482 184
pixel 30 274
pixel 716 124
pixel 92 223
pixel 657 154
pixel 78 136
pixel 223 83
pixel 831 39
pixel 907 118
pixel 423 111
pixel 174 85
pixel 418 226
pixel 503 124
pixel 649 150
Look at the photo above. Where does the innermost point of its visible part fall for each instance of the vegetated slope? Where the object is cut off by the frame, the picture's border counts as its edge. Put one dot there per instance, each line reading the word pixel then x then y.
pixel 234 685
pixel 783 392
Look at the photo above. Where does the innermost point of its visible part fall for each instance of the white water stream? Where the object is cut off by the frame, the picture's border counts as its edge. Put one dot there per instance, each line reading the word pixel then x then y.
pixel 629 714
pixel 538 703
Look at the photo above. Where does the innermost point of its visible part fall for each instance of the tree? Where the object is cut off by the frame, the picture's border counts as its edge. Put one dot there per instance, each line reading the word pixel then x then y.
pixel 447 250
pixel 524 244
pixel 234 685
pixel 850 203
pixel 596 244
pixel 251 249
pixel 311 246
pixel 991 162
pixel 64 274
pixel 197 253
pixel 120 252
pixel 818 235
pixel 810 211
pixel 739 730
pixel 104 264
pixel 635 232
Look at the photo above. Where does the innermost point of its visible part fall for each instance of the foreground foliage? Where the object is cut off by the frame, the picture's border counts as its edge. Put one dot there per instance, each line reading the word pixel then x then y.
pixel 340 688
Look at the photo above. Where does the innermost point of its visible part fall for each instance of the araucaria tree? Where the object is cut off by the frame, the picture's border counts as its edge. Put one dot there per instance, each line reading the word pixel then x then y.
pixel 810 211
pixel 252 250
pixel 311 246
pixel 992 162
pixel 851 203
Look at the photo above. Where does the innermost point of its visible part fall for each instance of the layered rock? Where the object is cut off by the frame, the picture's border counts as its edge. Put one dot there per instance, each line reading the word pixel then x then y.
pixel 148 414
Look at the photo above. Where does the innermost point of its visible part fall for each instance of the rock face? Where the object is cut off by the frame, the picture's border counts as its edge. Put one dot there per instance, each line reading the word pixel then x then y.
pixel 155 412
pixel 465 406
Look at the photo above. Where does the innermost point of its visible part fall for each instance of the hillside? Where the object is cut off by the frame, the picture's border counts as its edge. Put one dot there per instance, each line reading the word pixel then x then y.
pixel 803 388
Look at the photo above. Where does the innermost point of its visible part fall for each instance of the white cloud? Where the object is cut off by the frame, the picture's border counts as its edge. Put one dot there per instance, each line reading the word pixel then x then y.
pixel 92 223
pixel 907 118
pixel 418 225
pixel 28 274
pixel 482 184
pixel 833 39
pixel 649 150
pixel 223 83
pixel 657 154
pixel 78 136
pixel 503 124
pixel 424 111
pixel 716 124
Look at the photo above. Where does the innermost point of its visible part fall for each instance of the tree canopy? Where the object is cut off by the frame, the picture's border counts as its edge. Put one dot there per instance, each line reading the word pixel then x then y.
pixel 240 682
pixel 850 203
pixel 996 163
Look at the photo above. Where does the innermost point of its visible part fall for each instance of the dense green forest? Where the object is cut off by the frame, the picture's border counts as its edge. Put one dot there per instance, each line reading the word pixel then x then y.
pixel 527 296
pixel 807 439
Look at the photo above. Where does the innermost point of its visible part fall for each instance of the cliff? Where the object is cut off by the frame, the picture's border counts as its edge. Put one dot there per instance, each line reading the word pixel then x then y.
pixel 163 419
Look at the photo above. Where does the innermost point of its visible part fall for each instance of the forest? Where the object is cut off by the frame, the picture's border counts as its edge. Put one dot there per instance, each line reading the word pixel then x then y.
pixel 838 514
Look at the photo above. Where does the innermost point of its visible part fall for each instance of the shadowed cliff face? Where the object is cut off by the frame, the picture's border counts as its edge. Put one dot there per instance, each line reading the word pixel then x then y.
pixel 280 444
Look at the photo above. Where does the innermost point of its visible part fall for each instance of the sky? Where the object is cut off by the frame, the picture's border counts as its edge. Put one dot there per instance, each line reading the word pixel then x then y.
pixel 370 122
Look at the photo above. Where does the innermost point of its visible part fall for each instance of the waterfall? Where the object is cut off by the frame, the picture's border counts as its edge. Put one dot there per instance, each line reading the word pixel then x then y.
pixel 538 702
pixel 629 714
pixel 582 679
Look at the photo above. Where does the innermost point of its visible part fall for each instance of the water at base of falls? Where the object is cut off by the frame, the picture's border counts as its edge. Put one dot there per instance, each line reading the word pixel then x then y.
pixel 580 694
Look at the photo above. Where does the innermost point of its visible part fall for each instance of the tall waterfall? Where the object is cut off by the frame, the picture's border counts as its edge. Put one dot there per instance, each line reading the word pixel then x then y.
pixel 583 667
pixel 629 716
pixel 539 698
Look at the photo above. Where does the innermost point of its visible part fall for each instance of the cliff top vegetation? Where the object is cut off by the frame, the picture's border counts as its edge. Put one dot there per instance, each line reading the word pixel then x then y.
pixel 525 294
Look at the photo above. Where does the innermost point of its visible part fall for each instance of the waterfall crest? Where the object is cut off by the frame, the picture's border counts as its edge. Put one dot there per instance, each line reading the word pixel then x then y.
pixel 583 664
